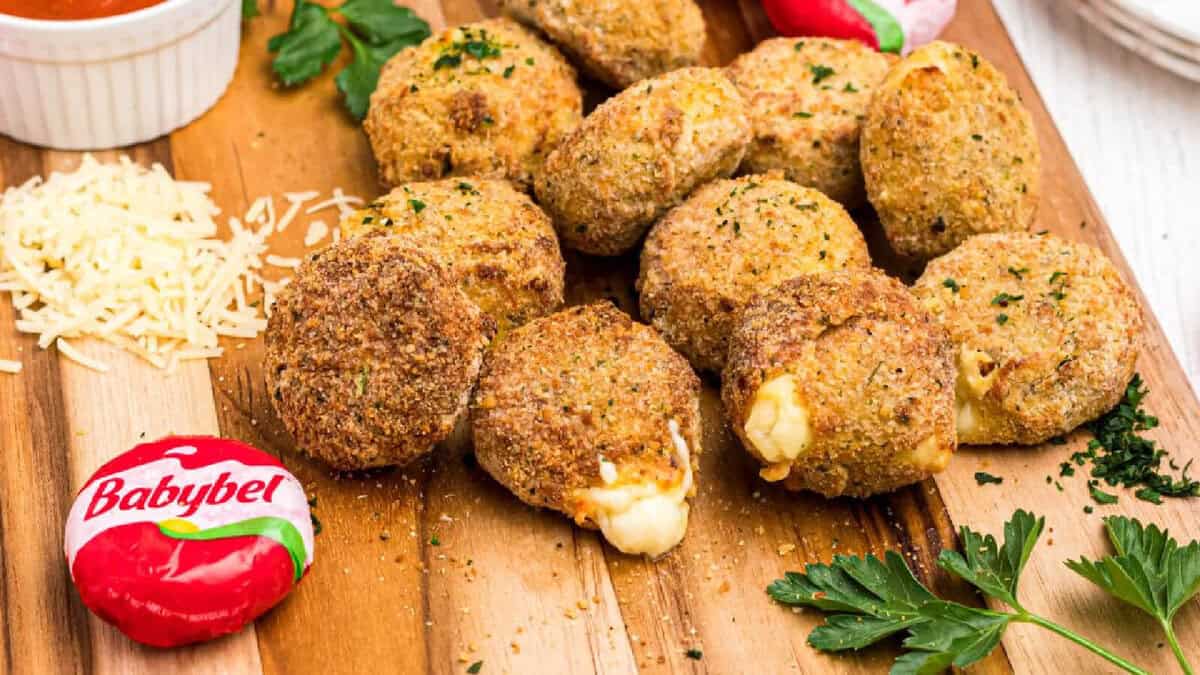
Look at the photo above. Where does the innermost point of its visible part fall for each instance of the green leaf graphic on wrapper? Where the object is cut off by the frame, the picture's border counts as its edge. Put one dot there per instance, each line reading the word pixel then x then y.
pixel 887 30
pixel 279 530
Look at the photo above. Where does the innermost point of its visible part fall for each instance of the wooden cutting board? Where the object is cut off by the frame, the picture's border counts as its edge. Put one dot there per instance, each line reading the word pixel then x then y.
pixel 522 590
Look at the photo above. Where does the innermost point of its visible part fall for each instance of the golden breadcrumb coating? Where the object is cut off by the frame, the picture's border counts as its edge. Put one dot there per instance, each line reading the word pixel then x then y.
pixel 858 375
pixel 731 239
pixel 640 153
pixel 498 243
pixel 948 151
pixel 619 41
pixel 807 99
pixel 371 353
pixel 486 99
pixel 1046 334
pixel 563 391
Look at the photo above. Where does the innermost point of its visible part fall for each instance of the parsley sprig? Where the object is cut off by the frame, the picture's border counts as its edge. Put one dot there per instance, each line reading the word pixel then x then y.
pixel 1150 571
pixel 870 599
pixel 374 29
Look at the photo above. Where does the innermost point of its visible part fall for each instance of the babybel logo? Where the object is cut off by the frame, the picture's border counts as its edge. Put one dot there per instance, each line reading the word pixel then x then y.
pixel 111 494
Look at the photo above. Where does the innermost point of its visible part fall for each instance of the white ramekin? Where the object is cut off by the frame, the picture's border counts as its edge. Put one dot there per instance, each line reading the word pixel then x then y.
pixel 103 83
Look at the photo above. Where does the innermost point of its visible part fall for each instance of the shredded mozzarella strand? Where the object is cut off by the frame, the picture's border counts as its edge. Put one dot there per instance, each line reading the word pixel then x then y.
pixel 128 255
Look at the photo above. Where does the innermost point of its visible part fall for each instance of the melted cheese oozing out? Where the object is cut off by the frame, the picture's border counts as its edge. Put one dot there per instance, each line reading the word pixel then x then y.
pixel 929 456
pixel 778 426
pixel 972 385
pixel 643 518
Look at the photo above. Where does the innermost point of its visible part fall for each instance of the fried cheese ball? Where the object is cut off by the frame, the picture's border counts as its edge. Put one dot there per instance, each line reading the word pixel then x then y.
pixel 590 413
pixel 948 151
pixel 807 99
pixel 619 41
pixel 731 239
pixel 841 383
pixel 640 153
pixel 1045 334
pixel 485 99
pixel 371 353
pixel 498 243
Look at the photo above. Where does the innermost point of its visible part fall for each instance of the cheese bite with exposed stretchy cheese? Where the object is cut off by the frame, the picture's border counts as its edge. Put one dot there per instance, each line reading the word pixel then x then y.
pixel 638 154
pixel 590 413
pixel 498 243
pixel 371 353
pixel 731 239
pixel 1046 334
pixel 807 99
pixel 485 99
pixel 619 41
pixel 841 383
pixel 948 151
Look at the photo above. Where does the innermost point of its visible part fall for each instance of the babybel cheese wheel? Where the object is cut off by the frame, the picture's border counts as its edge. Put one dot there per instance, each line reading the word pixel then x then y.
pixel 188 538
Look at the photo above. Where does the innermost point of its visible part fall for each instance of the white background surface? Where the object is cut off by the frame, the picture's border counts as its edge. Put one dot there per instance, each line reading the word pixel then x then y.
pixel 1134 131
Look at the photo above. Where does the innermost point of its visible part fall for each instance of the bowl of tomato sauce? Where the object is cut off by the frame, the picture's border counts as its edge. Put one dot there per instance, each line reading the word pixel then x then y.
pixel 95 74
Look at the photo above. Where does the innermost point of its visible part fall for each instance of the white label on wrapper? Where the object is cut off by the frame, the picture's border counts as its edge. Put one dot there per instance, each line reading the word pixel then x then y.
pixel 209 496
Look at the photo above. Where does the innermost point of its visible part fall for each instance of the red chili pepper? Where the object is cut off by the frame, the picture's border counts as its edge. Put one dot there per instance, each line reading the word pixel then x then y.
pixel 887 25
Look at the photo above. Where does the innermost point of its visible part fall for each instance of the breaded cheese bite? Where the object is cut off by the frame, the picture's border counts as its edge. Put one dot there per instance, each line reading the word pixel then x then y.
pixel 590 413
pixel 731 239
pixel 1046 334
pixel 948 151
pixel 841 383
pixel 638 154
pixel 807 99
pixel 619 41
pixel 493 238
pixel 371 353
pixel 485 99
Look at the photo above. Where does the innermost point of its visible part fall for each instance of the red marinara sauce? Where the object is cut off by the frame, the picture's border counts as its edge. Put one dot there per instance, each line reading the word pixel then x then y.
pixel 72 10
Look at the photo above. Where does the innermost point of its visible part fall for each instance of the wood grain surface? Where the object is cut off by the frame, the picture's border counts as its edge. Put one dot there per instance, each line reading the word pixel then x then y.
pixel 434 567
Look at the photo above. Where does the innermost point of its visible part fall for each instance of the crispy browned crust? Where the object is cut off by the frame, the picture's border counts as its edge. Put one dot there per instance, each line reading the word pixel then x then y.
pixel 619 41
pixel 560 392
pixel 874 369
pixel 427 121
pixel 805 125
pixel 371 353
pixel 498 243
pixel 948 151
pixel 640 153
pixel 729 240
pixel 1065 351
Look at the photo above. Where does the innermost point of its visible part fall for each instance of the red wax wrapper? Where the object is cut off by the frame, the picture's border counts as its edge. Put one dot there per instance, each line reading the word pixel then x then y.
pixel 896 26
pixel 188 538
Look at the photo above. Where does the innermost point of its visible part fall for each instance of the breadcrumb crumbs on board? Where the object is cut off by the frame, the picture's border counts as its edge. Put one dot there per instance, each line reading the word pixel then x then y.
pixel 147 273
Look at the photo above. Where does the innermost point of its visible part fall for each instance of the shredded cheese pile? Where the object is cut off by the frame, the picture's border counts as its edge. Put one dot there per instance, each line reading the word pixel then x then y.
pixel 130 256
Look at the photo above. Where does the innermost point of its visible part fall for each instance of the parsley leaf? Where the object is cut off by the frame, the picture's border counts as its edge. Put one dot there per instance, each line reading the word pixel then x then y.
pixel 1100 496
pixel 957 636
pixel 249 9
pixel 874 599
pixel 983 478
pixel 820 72
pixel 380 21
pixel 870 599
pixel 311 43
pixel 1120 455
pixel 995 570
pixel 1150 571
pixel 375 29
